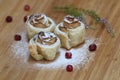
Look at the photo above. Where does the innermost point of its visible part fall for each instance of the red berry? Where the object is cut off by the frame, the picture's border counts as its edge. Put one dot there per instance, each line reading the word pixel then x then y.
pixel 26 7
pixel 68 55
pixel 92 47
pixel 17 37
pixel 9 19
pixel 69 68
pixel 25 18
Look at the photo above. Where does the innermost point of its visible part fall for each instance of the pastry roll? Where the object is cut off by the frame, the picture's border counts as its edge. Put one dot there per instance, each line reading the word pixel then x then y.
pixel 39 22
pixel 44 45
pixel 71 32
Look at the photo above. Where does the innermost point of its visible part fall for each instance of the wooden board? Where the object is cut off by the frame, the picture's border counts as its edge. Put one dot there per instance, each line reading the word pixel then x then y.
pixel 106 64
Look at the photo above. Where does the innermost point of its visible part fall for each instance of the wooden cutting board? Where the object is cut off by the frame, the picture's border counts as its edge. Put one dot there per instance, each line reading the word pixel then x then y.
pixel 106 63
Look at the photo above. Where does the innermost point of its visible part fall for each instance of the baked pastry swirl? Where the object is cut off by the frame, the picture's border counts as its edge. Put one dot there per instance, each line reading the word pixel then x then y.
pixel 44 45
pixel 39 22
pixel 71 32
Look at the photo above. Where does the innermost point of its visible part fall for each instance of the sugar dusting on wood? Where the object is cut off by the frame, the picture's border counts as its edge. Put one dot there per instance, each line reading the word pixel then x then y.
pixel 20 48
pixel 80 56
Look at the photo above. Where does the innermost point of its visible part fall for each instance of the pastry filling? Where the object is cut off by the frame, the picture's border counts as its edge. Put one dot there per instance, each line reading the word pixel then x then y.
pixel 70 22
pixel 39 20
pixel 63 28
pixel 46 38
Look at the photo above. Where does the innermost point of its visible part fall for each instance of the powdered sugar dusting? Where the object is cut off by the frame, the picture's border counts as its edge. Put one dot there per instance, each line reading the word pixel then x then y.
pixel 80 55
pixel 20 48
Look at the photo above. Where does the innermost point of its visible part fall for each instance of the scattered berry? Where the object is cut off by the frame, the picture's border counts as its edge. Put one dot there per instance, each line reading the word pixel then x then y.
pixel 17 37
pixel 25 18
pixel 68 55
pixel 92 47
pixel 9 19
pixel 69 68
pixel 26 7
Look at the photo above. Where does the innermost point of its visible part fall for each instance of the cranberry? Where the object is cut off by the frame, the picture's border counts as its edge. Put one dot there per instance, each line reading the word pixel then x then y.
pixel 92 47
pixel 25 18
pixel 17 37
pixel 26 7
pixel 68 55
pixel 69 68
pixel 9 19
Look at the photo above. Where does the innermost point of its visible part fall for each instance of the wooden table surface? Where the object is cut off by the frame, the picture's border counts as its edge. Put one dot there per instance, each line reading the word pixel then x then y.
pixel 106 64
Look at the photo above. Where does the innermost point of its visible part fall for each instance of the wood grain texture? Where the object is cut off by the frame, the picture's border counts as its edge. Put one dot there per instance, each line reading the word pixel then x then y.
pixel 106 64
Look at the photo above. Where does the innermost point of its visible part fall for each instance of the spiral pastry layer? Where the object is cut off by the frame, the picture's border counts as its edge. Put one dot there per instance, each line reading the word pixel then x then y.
pixel 44 45
pixel 71 32
pixel 39 22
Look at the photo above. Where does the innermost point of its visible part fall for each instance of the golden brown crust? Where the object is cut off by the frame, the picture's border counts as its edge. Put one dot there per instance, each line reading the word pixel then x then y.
pixel 71 32
pixel 72 25
pixel 39 51
pixel 36 24
pixel 34 53
pixel 71 22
